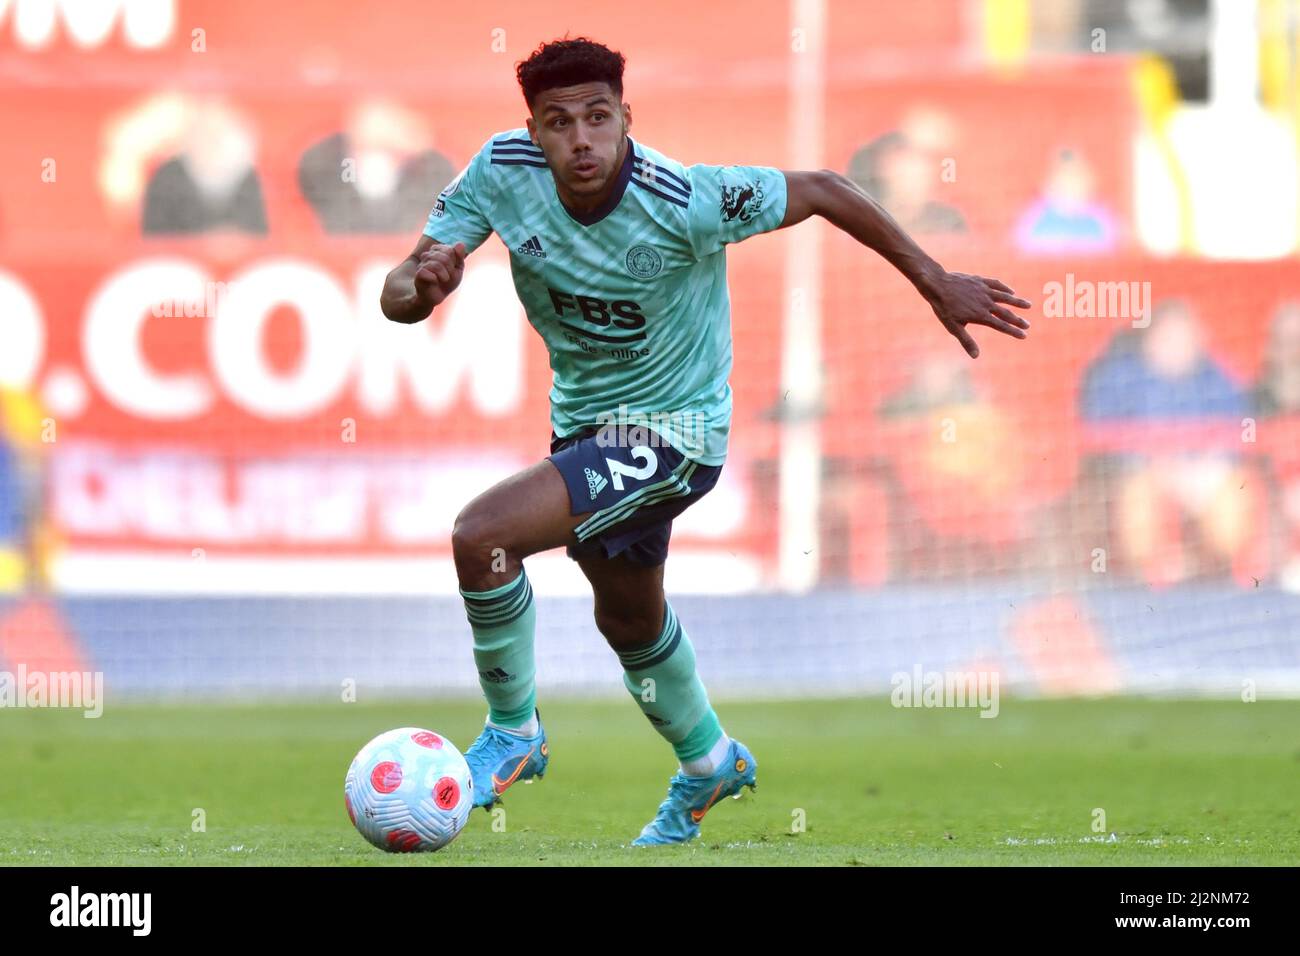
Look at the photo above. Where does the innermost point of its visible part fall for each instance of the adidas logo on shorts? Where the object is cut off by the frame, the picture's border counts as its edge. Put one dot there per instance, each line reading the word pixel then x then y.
pixel 533 247
pixel 595 483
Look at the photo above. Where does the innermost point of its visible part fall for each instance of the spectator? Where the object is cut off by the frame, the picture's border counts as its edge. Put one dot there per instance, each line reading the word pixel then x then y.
pixel 1278 392
pixel 1163 373
pixel 377 176
pixel 936 382
pixel 211 183
pixel 1158 486
pixel 957 464
pixel 900 169
pixel 1067 218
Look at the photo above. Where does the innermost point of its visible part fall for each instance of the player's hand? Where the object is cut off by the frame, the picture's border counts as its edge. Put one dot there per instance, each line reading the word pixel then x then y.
pixel 960 300
pixel 439 273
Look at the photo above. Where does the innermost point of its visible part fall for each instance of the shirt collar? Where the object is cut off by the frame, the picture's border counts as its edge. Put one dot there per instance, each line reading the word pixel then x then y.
pixel 608 206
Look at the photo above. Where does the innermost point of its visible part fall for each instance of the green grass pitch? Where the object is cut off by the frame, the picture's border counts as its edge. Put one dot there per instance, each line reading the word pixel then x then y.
pixel 1179 782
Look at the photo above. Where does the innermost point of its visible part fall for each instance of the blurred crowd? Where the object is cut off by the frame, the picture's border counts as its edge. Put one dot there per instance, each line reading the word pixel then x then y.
pixel 904 169
pixel 1186 473
pixel 191 166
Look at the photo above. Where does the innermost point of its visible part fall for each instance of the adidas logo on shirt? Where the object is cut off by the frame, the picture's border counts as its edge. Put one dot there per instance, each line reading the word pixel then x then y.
pixel 595 483
pixel 533 247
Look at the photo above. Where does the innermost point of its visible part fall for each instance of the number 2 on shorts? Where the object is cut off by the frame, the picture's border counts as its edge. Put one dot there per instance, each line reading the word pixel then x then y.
pixel 617 469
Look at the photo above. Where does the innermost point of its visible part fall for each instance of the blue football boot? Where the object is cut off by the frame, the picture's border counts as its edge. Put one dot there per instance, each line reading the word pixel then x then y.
pixel 689 798
pixel 497 760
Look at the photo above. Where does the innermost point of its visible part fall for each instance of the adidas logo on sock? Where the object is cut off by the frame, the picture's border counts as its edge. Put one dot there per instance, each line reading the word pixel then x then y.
pixel 496 675
pixel 533 247
pixel 595 483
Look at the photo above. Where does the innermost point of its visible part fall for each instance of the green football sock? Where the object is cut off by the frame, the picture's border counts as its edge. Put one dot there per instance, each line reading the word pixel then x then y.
pixel 504 621
pixel 662 680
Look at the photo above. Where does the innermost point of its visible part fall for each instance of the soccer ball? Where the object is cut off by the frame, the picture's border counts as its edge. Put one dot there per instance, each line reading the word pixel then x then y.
pixel 408 791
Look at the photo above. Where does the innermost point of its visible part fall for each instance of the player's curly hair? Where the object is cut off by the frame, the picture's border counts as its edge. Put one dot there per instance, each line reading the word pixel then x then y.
pixel 568 62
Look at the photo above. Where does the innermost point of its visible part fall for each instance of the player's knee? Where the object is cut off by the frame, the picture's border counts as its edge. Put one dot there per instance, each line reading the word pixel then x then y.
pixel 472 538
pixel 605 622
pixel 625 628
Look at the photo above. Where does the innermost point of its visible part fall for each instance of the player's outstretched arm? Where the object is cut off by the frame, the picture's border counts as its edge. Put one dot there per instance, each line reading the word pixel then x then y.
pixel 957 299
pixel 422 280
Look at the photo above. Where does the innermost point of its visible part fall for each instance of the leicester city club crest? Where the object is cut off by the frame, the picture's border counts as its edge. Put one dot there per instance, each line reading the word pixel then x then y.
pixel 644 262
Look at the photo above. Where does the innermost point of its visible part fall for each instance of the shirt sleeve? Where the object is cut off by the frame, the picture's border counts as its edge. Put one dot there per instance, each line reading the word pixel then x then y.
pixel 461 213
pixel 731 203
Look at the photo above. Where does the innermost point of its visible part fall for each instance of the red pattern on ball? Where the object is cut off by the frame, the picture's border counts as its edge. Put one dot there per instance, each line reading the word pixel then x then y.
pixel 386 777
pixel 403 841
pixel 446 793
pixel 426 739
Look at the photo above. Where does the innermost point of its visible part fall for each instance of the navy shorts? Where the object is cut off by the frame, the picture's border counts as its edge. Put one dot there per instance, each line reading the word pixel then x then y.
pixel 634 491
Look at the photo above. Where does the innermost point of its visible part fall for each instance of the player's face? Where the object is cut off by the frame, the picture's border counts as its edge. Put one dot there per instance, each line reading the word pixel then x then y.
pixel 581 130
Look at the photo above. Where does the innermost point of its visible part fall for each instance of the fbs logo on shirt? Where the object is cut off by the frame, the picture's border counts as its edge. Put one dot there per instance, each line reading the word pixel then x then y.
pixel 532 247
pixel 595 482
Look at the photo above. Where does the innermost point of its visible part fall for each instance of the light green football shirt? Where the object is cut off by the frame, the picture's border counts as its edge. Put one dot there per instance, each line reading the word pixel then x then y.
pixel 632 299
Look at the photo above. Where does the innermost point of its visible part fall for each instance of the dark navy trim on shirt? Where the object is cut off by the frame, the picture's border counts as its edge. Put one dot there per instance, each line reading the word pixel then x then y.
pixel 517 151
pixel 675 200
pixel 670 180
